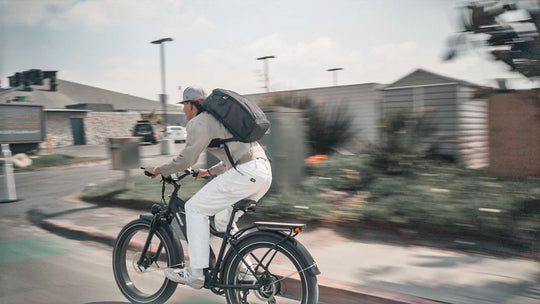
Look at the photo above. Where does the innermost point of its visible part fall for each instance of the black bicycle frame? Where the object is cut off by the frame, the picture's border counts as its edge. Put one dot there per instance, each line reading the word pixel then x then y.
pixel 172 208
pixel 175 209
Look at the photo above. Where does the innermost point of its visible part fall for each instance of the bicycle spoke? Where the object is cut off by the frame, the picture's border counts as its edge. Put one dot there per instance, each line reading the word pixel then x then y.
pixel 260 262
pixel 280 276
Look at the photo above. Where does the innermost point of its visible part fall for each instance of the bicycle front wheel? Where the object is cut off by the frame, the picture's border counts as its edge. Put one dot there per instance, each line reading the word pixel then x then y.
pixel 145 282
pixel 278 274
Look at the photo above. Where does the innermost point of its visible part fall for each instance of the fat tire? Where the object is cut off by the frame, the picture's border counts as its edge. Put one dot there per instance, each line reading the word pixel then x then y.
pixel 174 255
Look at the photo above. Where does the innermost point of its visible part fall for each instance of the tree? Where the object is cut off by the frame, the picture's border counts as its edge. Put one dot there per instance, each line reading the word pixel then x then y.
pixel 514 40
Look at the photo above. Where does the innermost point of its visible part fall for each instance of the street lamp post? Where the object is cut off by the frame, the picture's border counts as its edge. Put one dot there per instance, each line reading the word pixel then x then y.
pixel 266 78
pixel 163 95
pixel 335 70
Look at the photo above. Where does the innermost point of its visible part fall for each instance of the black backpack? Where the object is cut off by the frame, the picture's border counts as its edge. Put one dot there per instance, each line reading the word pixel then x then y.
pixel 242 117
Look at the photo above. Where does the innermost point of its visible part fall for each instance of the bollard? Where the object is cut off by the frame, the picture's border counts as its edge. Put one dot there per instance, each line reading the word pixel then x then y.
pixel 125 156
pixel 128 183
pixel 167 146
pixel 11 193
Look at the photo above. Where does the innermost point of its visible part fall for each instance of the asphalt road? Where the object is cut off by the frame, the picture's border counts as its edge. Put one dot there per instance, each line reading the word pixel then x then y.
pixel 39 267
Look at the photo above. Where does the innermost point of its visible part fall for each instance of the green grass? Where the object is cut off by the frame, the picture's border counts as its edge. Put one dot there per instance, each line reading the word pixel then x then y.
pixel 431 197
pixel 53 160
pixel 140 194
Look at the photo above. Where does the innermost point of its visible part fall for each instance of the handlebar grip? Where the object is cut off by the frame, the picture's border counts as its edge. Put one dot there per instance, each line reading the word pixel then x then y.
pixel 147 173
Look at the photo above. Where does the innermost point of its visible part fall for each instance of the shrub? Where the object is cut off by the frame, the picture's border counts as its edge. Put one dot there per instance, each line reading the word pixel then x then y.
pixel 300 205
pixel 344 173
pixel 154 118
pixel 327 127
pixel 404 140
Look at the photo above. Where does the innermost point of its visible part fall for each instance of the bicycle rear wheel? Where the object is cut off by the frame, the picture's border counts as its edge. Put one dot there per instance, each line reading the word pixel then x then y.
pixel 145 283
pixel 280 273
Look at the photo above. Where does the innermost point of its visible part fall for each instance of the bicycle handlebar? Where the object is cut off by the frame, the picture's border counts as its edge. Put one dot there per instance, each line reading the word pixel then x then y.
pixel 174 177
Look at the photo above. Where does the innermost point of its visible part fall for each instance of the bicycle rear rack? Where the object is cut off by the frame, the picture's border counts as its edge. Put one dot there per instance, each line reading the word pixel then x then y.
pixel 275 226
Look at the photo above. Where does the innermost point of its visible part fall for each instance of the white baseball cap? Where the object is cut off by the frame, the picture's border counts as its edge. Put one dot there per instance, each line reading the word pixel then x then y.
pixel 192 93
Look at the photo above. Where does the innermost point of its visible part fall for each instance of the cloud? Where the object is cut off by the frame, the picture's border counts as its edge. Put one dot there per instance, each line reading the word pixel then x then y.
pixel 290 49
pixel 164 15
pixel 29 12
pixel 300 62
pixel 387 63
pixel 99 14
pixel 179 25
pixel 394 51
pixel 295 60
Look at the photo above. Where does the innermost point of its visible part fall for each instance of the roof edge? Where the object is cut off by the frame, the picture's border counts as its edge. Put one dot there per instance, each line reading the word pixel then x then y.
pixel 317 88
pixel 446 78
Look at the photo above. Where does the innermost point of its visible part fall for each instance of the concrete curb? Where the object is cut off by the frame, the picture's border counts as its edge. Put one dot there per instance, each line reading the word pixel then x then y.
pixel 330 291
pixel 78 231
pixel 339 292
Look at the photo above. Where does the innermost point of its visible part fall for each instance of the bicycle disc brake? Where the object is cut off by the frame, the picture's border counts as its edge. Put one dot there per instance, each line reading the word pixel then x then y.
pixel 135 262
pixel 269 289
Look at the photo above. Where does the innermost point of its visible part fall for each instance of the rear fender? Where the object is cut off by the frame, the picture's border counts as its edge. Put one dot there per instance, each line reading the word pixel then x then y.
pixel 306 258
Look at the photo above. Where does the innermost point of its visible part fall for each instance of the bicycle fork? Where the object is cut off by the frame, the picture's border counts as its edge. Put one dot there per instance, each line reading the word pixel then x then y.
pixel 144 260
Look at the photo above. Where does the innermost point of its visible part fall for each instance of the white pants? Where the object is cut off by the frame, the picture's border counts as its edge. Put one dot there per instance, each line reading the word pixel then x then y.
pixel 216 198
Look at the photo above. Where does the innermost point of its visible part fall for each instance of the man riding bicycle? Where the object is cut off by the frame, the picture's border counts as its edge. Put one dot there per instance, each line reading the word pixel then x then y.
pixel 250 177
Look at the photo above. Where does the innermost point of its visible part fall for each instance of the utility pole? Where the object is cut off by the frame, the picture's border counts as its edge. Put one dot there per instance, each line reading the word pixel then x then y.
pixel 163 95
pixel 266 78
pixel 335 70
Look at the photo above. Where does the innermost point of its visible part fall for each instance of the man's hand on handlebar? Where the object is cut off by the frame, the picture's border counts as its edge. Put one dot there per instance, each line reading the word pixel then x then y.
pixel 153 172
pixel 202 173
pixel 150 171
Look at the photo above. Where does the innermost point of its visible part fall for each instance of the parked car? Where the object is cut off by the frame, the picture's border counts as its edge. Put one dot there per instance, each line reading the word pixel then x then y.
pixel 178 133
pixel 146 131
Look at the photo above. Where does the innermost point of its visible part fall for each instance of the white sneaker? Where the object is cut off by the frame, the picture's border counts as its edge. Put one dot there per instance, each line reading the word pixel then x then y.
pixel 246 277
pixel 183 276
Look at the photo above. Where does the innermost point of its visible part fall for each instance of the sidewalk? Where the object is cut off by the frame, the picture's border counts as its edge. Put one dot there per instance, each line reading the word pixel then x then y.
pixel 354 271
pixel 374 272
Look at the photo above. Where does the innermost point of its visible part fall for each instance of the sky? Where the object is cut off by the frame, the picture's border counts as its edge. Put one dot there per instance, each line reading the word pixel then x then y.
pixel 106 43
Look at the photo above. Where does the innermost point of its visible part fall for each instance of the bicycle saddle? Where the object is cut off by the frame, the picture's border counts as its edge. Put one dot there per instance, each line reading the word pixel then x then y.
pixel 246 205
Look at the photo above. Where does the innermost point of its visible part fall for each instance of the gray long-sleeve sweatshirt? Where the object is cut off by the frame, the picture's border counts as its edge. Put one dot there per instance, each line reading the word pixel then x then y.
pixel 200 132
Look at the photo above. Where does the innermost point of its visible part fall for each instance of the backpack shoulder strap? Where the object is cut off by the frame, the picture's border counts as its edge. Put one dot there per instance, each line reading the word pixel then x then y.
pixel 217 142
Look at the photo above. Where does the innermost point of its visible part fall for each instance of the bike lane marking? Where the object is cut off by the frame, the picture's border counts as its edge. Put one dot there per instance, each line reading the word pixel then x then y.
pixel 34 247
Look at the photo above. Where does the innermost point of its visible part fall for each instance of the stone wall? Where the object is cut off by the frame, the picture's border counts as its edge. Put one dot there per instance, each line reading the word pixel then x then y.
pixel 99 126
pixel 58 127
